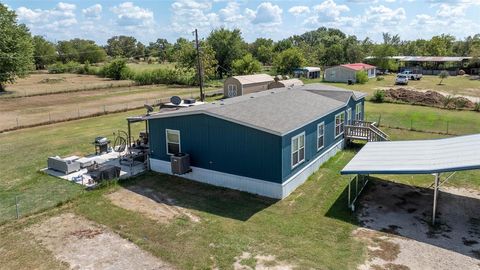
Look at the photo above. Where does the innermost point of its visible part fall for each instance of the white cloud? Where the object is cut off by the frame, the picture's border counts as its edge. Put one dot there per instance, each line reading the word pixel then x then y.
pixel 188 15
pixel 231 13
pixel 56 19
pixel 446 10
pixel 330 9
pixel 266 14
pixel 299 10
pixel 384 16
pixel 93 12
pixel 130 15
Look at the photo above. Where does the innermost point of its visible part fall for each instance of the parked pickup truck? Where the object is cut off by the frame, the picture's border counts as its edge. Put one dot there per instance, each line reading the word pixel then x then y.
pixel 411 75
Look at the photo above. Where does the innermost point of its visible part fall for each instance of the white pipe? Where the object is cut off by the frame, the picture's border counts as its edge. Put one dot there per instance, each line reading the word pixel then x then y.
pixel 435 195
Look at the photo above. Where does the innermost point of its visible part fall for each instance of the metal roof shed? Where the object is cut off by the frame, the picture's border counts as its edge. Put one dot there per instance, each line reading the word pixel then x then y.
pixel 418 157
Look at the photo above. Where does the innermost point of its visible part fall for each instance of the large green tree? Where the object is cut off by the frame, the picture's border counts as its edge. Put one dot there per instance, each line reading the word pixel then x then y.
pixel 262 49
pixel 45 52
pixel 186 57
pixel 286 61
pixel 246 65
pixel 121 46
pixel 162 49
pixel 16 48
pixel 80 50
pixel 228 46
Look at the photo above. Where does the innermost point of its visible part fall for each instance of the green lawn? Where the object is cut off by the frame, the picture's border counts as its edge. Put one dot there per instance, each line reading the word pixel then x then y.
pixel 423 118
pixel 456 85
pixel 311 228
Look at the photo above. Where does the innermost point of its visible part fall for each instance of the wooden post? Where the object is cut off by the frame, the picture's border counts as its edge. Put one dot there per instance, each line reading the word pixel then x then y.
pixel 16 206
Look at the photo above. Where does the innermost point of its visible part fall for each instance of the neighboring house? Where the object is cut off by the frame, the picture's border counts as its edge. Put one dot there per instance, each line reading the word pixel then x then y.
pixel 348 72
pixel 307 72
pixel 266 143
pixel 241 85
pixel 285 83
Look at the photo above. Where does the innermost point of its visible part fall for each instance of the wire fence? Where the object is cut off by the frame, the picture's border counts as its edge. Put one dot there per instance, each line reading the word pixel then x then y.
pixel 438 125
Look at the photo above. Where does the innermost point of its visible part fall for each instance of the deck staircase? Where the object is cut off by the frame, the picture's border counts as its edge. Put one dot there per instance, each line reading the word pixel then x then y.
pixel 365 131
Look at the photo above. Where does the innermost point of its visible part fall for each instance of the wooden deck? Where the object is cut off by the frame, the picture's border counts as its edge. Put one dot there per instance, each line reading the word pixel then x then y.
pixel 365 131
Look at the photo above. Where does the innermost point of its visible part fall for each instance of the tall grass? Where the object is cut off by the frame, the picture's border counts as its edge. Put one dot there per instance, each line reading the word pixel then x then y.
pixel 164 76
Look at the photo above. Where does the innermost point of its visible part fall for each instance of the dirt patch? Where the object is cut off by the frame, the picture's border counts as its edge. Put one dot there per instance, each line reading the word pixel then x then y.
pixel 428 98
pixel 150 203
pixel 84 244
pixel 399 238
pixel 246 261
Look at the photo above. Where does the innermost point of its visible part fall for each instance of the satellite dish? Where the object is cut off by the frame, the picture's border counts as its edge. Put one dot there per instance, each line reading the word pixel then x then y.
pixel 149 108
pixel 176 100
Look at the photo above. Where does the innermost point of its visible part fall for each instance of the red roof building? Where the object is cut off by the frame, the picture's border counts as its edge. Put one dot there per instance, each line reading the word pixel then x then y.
pixel 359 66
pixel 348 73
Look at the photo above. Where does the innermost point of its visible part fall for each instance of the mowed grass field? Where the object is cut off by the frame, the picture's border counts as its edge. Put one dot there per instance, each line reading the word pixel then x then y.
pixel 45 83
pixel 310 229
pixel 32 110
pixel 454 85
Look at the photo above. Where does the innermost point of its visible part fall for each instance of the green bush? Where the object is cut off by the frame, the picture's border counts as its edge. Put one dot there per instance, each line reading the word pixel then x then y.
pixel 70 67
pixel 447 101
pixel 362 77
pixel 117 70
pixel 380 78
pixel 477 107
pixel 460 103
pixel 378 96
pixel 165 76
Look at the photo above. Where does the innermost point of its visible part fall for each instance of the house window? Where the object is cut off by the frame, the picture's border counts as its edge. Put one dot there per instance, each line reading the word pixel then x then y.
pixel 320 136
pixel 349 116
pixel 298 149
pixel 232 90
pixel 358 111
pixel 339 124
pixel 333 74
pixel 173 141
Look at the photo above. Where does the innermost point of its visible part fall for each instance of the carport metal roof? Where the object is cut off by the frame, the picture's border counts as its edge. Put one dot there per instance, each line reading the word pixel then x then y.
pixel 417 157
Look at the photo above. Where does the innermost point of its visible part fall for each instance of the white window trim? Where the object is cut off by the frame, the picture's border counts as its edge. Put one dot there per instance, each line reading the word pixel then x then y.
pixel 323 136
pixel 358 111
pixel 298 150
pixel 335 126
pixel 179 140
pixel 349 116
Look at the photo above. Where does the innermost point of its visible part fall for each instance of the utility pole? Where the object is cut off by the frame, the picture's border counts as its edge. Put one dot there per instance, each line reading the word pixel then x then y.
pixel 199 67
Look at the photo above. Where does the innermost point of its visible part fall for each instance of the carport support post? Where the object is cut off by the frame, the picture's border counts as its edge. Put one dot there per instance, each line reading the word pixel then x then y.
pixel 435 196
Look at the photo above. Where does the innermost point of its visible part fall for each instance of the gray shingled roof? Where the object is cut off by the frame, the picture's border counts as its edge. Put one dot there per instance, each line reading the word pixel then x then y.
pixel 278 111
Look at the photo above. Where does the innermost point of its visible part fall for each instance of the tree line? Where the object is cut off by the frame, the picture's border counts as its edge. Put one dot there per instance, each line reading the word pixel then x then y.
pixel 223 52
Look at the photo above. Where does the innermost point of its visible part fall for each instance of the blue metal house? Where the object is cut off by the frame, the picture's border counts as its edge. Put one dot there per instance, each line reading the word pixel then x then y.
pixel 266 143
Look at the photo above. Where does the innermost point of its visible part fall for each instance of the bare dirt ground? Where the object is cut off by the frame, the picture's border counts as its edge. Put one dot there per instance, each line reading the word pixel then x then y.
pixel 396 226
pixel 40 109
pixel 150 203
pixel 50 83
pixel 261 262
pixel 86 245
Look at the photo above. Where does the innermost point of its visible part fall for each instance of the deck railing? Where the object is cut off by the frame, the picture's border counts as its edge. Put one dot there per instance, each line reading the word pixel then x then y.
pixel 362 130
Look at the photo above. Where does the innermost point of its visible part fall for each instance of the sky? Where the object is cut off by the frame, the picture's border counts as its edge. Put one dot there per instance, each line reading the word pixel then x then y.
pixel 148 20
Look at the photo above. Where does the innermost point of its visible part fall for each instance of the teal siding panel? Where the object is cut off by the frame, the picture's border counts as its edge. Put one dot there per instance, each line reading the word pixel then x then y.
pixel 310 130
pixel 220 145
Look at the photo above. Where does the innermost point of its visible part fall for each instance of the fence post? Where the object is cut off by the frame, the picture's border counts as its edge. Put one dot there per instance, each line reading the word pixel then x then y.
pixel 16 206
pixel 104 110
pixel 379 119
pixel 17 121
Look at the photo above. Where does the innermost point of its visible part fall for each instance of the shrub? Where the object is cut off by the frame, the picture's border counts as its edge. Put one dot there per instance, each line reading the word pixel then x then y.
pixel 362 77
pixel 460 103
pixel 378 96
pixel 70 67
pixel 461 72
pixel 165 76
pixel 117 70
pixel 443 75
pixel 380 78
pixel 447 101
pixel 476 107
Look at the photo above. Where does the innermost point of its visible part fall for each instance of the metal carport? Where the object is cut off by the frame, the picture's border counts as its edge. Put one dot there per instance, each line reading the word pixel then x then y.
pixel 418 157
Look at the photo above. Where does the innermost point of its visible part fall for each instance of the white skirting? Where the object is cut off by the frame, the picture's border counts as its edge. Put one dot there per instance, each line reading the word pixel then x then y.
pixel 256 186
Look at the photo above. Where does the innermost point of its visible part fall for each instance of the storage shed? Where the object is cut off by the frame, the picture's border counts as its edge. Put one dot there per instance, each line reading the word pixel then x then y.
pixel 241 85
pixel 307 72
pixel 266 143
pixel 348 72
pixel 285 83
